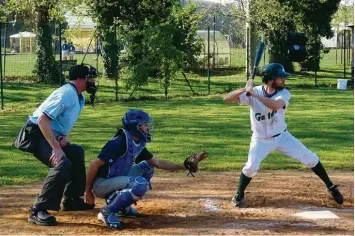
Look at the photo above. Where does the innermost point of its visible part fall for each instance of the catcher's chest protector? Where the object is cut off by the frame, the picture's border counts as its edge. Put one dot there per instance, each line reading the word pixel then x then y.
pixel 121 165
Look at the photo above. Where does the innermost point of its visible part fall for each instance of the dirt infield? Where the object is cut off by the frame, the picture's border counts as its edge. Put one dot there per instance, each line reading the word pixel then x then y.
pixel 183 205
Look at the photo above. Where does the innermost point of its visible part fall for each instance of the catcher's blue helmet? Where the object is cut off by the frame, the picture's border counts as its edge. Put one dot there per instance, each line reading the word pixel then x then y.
pixel 273 71
pixel 132 121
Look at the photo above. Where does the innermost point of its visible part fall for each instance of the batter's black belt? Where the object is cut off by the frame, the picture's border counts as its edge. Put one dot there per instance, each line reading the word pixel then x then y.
pixel 278 134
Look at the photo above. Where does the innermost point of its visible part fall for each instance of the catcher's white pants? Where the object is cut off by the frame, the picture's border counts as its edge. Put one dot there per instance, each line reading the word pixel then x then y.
pixel 284 143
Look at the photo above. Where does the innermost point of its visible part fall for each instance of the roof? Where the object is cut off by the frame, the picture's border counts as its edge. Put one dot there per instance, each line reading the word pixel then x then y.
pixel 83 22
pixel 23 35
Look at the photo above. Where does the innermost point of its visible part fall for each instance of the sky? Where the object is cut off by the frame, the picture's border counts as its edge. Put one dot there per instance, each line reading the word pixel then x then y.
pixel 347 2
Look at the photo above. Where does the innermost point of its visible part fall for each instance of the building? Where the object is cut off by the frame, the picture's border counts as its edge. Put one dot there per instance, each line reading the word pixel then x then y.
pixel 337 38
pixel 80 32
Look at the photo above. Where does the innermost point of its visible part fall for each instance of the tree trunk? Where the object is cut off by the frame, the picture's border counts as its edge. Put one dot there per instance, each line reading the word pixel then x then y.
pixel 109 50
pixel 45 68
pixel 278 50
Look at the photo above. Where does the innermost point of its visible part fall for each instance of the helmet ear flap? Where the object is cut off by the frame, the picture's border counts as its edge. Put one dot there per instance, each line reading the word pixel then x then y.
pixel 266 77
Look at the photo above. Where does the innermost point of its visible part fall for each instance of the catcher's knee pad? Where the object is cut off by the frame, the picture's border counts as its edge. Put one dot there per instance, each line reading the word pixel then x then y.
pixel 148 171
pixel 137 186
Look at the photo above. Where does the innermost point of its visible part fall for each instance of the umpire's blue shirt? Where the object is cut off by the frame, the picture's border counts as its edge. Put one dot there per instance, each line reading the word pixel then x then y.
pixel 63 107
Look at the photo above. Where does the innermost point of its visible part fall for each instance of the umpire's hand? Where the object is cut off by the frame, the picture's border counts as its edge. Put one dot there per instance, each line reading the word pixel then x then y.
pixel 57 156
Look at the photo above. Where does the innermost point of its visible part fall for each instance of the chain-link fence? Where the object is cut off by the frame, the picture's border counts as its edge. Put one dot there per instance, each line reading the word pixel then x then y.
pixel 70 47
pixel 224 38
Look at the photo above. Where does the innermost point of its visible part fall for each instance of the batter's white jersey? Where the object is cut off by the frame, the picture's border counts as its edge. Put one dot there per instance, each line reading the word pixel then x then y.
pixel 265 123
pixel 269 132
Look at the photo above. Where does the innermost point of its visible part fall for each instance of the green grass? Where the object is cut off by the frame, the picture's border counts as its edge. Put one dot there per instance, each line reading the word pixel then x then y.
pixel 321 117
pixel 21 65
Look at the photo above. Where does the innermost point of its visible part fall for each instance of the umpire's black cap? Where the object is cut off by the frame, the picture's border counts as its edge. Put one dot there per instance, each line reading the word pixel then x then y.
pixel 82 71
pixel 78 71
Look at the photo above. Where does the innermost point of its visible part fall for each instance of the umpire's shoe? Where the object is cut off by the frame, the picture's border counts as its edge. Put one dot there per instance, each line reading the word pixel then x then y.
pixel 238 200
pixel 41 217
pixel 76 204
pixel 335 194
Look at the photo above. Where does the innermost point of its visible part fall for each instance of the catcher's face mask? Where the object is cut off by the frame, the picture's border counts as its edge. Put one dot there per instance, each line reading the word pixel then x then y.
pixel 145 128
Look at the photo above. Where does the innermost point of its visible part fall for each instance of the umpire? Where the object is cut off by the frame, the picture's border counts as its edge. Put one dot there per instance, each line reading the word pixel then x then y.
pixel 45 135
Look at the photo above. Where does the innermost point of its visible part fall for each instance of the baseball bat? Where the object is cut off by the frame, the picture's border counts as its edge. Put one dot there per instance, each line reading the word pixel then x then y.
pixel 258 56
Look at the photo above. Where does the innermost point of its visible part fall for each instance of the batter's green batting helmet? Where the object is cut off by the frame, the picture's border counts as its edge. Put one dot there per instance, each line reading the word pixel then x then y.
pixel 273 71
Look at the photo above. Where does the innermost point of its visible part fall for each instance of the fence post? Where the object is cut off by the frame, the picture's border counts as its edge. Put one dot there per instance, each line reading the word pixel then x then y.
pixel 208 59
pixel 1 82
pixel 97 51
pixel 5 41
pixel 344 54
pixel 60 54
pixel 115 62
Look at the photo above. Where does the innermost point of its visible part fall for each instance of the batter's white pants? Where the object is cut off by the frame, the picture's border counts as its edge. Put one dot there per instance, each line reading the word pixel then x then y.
pixel 284 143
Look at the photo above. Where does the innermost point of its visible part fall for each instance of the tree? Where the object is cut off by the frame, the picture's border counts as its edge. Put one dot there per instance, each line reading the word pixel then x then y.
pixel 273 21
pixel 279 17
pixel 345 13
pixel 161 47
pixel 159 37
pixel 41 14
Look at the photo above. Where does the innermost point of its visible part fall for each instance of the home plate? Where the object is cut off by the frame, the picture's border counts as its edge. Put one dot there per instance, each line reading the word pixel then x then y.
pixel 317 215
pixel 209 204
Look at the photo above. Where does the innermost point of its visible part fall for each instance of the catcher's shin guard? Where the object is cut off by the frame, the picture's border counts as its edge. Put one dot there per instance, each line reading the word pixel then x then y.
pixel 148 171
pixel 134 191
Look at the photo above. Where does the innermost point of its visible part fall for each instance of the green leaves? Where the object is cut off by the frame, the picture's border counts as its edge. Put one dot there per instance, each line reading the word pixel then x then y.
pixel 274 19
pixel 159 37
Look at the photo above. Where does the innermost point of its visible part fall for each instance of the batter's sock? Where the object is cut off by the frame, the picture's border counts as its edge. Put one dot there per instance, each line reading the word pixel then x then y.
pixel 243 183
pixel 320 171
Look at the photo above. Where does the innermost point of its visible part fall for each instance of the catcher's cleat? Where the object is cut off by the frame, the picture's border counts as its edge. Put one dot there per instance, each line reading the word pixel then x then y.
pixel 77 204
pixel 111 220
pixel 238 200
pixel 129 212
pixel 41 217
pixel 335 194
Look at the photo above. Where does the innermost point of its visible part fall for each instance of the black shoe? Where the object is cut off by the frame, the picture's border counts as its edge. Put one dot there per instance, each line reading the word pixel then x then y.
pixel 238 200
pixel 77 204
pixel 41 217
pixel 335 194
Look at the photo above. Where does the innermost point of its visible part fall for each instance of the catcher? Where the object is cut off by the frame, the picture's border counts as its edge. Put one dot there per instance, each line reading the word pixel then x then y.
pixel 122 171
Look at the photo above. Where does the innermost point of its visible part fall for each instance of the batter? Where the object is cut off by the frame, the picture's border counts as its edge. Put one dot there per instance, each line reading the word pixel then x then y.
pixel 268 104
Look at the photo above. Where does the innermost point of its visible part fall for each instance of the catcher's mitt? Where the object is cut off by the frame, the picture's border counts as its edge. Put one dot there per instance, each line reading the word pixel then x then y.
pixel 191 163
